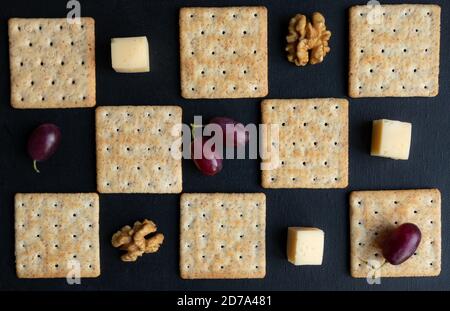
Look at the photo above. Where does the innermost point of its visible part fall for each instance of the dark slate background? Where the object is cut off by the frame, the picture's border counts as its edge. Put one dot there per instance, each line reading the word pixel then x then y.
pixel 73 169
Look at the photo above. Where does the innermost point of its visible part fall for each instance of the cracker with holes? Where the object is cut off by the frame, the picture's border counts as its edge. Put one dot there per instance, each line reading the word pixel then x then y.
pixel 394 50
pixel 373 214
pixel 311 148
pixel 57 235
pixel 223 235
pixel 52 63
pixel 138 149
pixel 223 52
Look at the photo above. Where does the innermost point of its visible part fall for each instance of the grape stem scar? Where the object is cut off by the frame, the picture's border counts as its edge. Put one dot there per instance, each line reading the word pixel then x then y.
pixel 194 127
pixel 35 166
pixel 371 266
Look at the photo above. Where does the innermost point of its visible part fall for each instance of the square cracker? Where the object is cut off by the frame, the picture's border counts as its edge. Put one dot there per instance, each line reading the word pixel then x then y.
pixel 373 213
pixel 312 143
pixel 223 52
pixel 134 149
pixel 223 235
pixel 56 233
pixel 52 63
pixel 394 50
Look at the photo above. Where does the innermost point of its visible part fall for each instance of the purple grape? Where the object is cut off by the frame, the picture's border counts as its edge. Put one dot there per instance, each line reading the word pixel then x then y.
pixel 43 143
pixel 401 243
pixel 235 132
pixel 210 162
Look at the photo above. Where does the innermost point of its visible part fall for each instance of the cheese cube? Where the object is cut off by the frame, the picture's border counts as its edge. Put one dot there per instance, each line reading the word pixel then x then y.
pixel 130 55
pixel 391 139
pixel 305 246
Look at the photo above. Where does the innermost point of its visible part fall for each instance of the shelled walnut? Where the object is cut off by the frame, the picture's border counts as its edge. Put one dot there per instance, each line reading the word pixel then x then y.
pixel 134 241
pixel 307 42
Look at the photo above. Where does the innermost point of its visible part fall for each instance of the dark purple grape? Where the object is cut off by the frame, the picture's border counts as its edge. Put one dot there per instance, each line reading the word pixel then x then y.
pixel 209 162
pixel 401 243
pixel 43 143
pixel 235 132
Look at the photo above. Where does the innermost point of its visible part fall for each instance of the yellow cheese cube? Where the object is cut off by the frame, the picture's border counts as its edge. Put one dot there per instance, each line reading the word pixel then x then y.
pixel 391 139
pixel 130 55
pixel 305 246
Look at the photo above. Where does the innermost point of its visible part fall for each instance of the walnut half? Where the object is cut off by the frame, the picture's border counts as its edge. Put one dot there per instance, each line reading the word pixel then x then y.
pixel 307 42
pixel 134 241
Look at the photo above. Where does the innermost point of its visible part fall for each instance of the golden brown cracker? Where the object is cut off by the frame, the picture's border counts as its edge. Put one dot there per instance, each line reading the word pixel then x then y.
pixel 223 52
pixel 374 213
pixel 52 63
pixel 312 144
pixel 394 50
pixel 222 235
pixel 134 149
pixel 57 235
